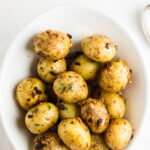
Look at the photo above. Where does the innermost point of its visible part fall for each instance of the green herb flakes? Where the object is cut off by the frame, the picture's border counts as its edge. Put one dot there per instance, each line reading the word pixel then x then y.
pixel 69 86
pixel 62 38
pixel 49 107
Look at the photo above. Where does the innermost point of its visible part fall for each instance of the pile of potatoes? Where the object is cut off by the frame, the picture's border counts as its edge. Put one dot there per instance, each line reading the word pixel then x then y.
pixel 76 107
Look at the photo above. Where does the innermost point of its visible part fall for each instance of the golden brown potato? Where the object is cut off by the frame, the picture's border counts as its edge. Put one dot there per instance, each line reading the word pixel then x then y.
pixel 115 76
pixel 95 114
pixel 75 134
pixel 31 91
pixel 86 67
pixel 67 110
pixel 52 44
pixel 99 48
pixel 98 143
pixel 48 141
pixel 118 134
pixel 70 87
pixel 115 104
pixel 49 69
pixel 41 117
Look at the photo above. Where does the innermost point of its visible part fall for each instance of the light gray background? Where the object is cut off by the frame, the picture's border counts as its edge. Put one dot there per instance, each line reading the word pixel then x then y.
pixel 15 14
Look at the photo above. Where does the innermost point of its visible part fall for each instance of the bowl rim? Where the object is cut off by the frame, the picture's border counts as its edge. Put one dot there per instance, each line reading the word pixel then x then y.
pixel 98 11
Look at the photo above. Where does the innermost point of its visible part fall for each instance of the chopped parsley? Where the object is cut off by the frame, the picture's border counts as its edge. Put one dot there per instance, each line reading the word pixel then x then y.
pixel 32 111
pixel 69 86
pixel 62 88
pixel 44 111
pixel 62 38
pixel 49 107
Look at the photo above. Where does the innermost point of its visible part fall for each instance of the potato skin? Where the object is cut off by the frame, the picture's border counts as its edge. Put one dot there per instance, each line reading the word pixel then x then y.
pixel 49 69
pixel 75 134
pixel 41 117
pixel 115 76
pixel 118 134
pixel 99 48
pixel 86 67
pixel 115 104
pixel 48 141
pixel 98 143
pixel 67 110
pixel 95 114
pixel 70 87
pixel 30 91
pixel 52 44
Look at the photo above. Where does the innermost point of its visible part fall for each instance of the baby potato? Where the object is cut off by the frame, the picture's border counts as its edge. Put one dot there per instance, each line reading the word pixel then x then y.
pixel 52 44
pixel 67 110
pixel 70 87
pixel 41 117
pixel 95 114
pixel 99 48
pixel 30 91
pixel 115 76
pixel 118 134
pixel 115 104
pixel 86 67
pixel 48 141
pixel 49 69
pixel 75 134
pixel 98 143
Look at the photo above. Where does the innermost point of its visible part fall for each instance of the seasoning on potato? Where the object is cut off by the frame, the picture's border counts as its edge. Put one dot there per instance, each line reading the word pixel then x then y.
pixel 99 48
pixel 95 114
pixel 115 76
pixel 30 91
pixel 48 69
pixel 48 141
pixel 67 110
pixel 86 67
pixel 41 117
pixel 98 142
pixel 70 87
pixel 52 44
pixel 114 102
pixel 118 134
pixel 75 134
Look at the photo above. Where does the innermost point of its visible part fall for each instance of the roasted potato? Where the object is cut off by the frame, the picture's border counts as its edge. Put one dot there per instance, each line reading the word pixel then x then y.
pixel 86 67
pixel 95 114
pixel 115 104
pixel 48 141
pixel 115 76
pixel 70 87
pixel 99 48
pixel 75 134
pixel 98 142
pixel 41 117
pixel 30 91
pixel 49 69
pixel 52 44
pixel 67 110
pixel 118 134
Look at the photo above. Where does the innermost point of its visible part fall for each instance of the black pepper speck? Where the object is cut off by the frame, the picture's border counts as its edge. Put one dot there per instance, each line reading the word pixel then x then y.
pixel 99 121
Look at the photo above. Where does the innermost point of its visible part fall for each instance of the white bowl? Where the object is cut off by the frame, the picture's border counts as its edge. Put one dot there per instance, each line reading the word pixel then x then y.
pixel 80 21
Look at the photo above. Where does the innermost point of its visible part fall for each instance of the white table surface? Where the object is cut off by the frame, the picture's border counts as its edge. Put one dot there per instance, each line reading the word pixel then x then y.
pixel 15 14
